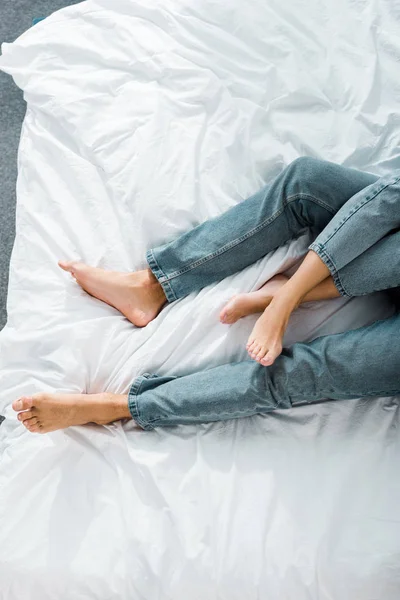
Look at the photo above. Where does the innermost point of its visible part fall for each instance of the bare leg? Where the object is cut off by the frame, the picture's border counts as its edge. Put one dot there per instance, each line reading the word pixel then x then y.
pixel 251 303
pixel 326 290
pixel 265 341
pixel 42 413
pixel 138 296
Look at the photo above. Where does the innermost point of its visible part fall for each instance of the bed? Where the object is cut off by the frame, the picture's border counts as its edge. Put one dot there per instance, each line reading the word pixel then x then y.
pixel 144 119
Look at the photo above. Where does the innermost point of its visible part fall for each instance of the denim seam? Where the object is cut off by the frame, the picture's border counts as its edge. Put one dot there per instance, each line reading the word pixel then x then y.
pixel 295 197
pixel 244 237
pixel 250 413
pixel 360 395
pixel 357 208
pixel 160 275
pixel 327 259
pixel 133 401
pixel 207 418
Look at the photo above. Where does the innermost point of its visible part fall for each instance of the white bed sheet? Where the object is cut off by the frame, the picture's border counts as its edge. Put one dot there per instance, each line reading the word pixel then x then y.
pixel 144 119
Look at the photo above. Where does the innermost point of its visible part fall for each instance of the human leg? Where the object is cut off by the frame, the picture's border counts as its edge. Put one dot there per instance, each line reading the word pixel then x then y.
pixel 265 340
pixel 358 363
pixel 377 268
pixel 249 303
pixel 304 196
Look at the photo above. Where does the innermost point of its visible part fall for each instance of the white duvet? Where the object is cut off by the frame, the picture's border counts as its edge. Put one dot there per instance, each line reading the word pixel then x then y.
pixel 145 118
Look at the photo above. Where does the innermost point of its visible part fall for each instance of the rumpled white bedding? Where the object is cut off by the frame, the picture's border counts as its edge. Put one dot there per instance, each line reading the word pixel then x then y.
pixel 145 118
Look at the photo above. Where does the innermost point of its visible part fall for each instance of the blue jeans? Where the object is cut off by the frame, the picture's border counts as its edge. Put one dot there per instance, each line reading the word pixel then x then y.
pixel 356 217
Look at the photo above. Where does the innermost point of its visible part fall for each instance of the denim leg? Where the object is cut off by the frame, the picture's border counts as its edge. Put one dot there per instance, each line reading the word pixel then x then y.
pixel 359 363
pixel 378 268
pixel 363 221
pixel 306 195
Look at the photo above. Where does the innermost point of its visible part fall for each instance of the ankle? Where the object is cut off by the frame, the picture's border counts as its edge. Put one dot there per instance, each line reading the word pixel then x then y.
pixel 151 278
pixel 155 288
pixel 146 279
pixel 285 299
pixel 112 407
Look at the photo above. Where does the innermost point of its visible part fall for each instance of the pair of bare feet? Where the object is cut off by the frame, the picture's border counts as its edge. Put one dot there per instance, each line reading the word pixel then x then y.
pixel 139 297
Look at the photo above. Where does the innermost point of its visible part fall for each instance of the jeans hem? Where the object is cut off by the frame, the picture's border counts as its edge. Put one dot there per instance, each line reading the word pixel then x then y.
pixel 161 277
pixel 361 205
pixel 324 256
pixel 133 401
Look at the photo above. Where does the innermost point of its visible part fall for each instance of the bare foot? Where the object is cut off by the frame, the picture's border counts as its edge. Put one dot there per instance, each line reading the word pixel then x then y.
pixel 48 412
pixel 265 341
pixel 137 295
pixel 253 302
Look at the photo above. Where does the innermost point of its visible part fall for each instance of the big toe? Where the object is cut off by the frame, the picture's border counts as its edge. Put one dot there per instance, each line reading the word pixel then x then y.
pixel 71 266
pixel 22 403
pixel 227 315
pixel 271 356
pixel 222 315
pixel 66 265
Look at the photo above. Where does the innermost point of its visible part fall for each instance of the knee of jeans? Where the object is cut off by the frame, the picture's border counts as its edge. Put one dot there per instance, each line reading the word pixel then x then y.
pixel 304 175
pixel 305 166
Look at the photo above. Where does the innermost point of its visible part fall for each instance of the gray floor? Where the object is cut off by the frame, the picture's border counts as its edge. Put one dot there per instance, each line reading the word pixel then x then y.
pixel 15 17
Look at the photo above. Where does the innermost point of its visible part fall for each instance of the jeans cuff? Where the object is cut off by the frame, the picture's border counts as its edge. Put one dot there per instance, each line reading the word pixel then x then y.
pixel 133 401
pixel 161 277
pixel 324 256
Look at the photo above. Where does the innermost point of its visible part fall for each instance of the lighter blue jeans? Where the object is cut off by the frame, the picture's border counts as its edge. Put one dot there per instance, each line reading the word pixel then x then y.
pixel 356 218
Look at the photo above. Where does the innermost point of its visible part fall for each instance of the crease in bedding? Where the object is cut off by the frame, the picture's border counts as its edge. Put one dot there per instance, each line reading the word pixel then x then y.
pixel 144 119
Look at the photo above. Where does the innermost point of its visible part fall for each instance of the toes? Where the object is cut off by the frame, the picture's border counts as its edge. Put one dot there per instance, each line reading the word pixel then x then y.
pixel 37 428
pixel 232 317
pixel 261 353
pixel 271 356
pixel 266 361
pixel 72 267
pixel 249 345
pixel 257 351
pixel 228 320
pixel 24 416
pixel 22 403
pixel 227 315
pixel 66 265
pixel 31 421
pixel 253 349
